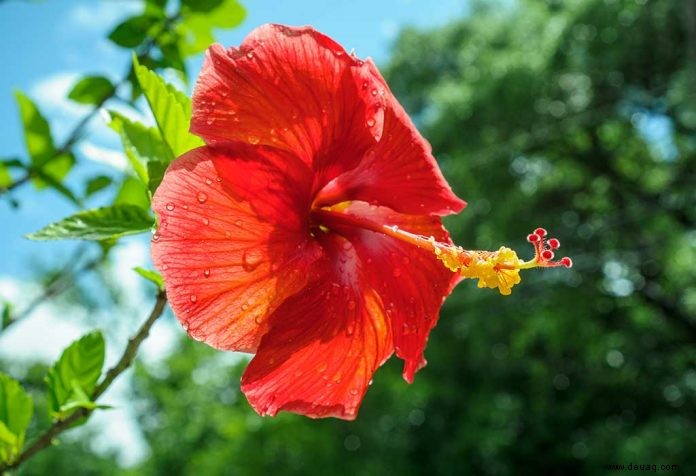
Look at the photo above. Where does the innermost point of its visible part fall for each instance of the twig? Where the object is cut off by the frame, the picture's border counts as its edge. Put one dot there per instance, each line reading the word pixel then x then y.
pixel 46 438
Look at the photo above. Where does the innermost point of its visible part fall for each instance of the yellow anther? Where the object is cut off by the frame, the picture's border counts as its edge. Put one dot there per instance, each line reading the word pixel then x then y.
pixel 493 269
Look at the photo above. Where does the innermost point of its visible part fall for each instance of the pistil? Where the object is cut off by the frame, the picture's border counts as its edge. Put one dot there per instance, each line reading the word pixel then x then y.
pixel 494 269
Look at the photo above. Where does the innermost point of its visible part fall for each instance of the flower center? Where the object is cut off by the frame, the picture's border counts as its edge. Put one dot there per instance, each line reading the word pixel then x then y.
pixel 494 269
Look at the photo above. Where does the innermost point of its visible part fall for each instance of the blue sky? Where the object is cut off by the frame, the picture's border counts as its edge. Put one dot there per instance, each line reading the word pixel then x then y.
pixel 46 46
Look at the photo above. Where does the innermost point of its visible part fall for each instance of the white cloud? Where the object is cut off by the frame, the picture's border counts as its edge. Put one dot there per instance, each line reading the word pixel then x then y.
pixel 389 29
pixel 28 339
pixel 99 16
pixel 103 155
pixel 51 95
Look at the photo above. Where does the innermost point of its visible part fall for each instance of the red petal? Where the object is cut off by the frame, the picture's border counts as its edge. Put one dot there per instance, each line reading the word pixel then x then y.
pixel 324 344
pixel 291 88
pixel 229 259
pixel 399 172
pixel 411 282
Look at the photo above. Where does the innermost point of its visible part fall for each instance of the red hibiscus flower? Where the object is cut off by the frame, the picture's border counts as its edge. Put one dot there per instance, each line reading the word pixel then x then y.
pixel 307 230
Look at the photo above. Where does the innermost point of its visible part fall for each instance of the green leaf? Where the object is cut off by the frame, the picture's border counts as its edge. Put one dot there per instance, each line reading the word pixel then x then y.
pixel 152 276
pixel 133 192
pixel 133 31
pixel 142 144
pixel 97 184
pixel 98 224
pixel 171 108
pixel 46 179
pixel 37 133
pixel 196 28
pixel 6 315
pixel 16 409
pixel 54 171
pixel 170 45
pixel 5 177
pixel 13 164
pixel 6 438
pixel 155 170
pixel 42 152
pixel 201 5
pixel 158 4
pixel 74 376
pixel 91 90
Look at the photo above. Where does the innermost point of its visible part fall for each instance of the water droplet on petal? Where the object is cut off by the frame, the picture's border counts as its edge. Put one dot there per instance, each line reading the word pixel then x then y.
pixel 206 273
pixel 251 259
pixel 364 86
pixel 259 319
pixel 322 367
pixel 208 181
pixel 250 55
pixel 170 206
pixel 219 179
pixel 245 307
pixel 155 237
pixel 193 298
pixel 253 139
pixel 238 223
pixel 370 122
pixel 206 221
pixel 353 391
pixel 210 121
pixel 202 197
pixel 374 92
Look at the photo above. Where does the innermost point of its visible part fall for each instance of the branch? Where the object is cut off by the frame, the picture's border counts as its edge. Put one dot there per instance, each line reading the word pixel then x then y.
pixel 58 427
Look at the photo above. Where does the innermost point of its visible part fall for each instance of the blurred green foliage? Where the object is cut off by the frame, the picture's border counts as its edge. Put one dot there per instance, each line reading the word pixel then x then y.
pixel 579 116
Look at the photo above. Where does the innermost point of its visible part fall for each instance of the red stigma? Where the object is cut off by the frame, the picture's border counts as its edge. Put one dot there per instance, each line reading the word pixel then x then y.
pixel 543 250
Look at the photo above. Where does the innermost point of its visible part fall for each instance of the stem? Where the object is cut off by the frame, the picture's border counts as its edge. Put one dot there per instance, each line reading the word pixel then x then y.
pixel 46 438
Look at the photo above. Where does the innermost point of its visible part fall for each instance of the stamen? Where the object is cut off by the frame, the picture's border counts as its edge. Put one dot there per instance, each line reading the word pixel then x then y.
pixel 500 269
pixel 494 269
